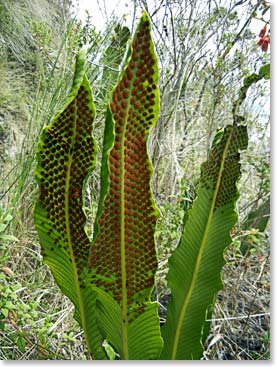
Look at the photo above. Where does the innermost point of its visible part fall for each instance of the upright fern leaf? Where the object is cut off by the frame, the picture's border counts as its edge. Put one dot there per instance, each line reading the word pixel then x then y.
pixel 194 267
pixel 123 257
pixel 66 154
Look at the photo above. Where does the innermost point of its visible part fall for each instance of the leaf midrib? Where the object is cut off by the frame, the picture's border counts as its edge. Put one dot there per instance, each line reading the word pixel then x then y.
pixel 199 256
pixel 122 239
pixel 122 250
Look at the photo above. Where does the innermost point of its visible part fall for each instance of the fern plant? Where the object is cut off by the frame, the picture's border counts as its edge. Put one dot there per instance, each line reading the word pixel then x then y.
pixel 110 278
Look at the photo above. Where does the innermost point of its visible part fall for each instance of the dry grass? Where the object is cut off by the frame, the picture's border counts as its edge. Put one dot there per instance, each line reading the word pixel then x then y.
pixel 240 327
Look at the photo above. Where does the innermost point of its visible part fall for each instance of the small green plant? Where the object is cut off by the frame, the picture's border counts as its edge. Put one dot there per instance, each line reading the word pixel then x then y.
pixel 5 219
pixel 110 278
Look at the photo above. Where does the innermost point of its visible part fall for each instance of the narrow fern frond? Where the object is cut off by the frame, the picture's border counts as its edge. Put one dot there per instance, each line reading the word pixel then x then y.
pixel 195 266
pixel 66 155
pixel 123 258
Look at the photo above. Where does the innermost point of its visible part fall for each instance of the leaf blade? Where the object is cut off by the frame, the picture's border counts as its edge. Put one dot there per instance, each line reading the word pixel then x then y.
pixel 124 229
pixel 66 155
pixel 142 333
pixel 205 236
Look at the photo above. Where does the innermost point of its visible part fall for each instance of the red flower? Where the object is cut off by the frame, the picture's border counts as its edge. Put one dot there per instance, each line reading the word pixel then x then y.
pixel 263 31
pixel 264 41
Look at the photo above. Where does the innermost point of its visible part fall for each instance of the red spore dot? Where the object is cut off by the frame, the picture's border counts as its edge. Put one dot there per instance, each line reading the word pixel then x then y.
pixel 125 80
pixel 135 56
pixel 150 117
pixel 146 47
pixel 122 114
pixel 127 175
pixel 116 156
pixel 144 25
pixel 135 43
pixel 129 73
pixel 127 84
pixel 127 151
pixel 117 172
pixel 125 94
pixel 147 37
pixel 121 86
pixel 142 79
pixel 124 104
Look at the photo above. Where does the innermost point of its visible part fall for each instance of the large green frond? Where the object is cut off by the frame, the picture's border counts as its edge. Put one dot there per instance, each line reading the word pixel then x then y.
pixel 123 258
pixel 195 266
pixel 66 155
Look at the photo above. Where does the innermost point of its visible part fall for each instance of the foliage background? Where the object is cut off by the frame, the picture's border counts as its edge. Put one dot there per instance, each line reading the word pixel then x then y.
pixel 205 51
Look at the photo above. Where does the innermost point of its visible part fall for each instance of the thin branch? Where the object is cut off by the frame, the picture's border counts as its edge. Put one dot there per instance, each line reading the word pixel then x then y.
pixel 240 317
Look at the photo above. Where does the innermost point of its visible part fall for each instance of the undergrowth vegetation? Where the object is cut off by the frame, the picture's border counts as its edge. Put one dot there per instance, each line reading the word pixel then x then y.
pixel 204 54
